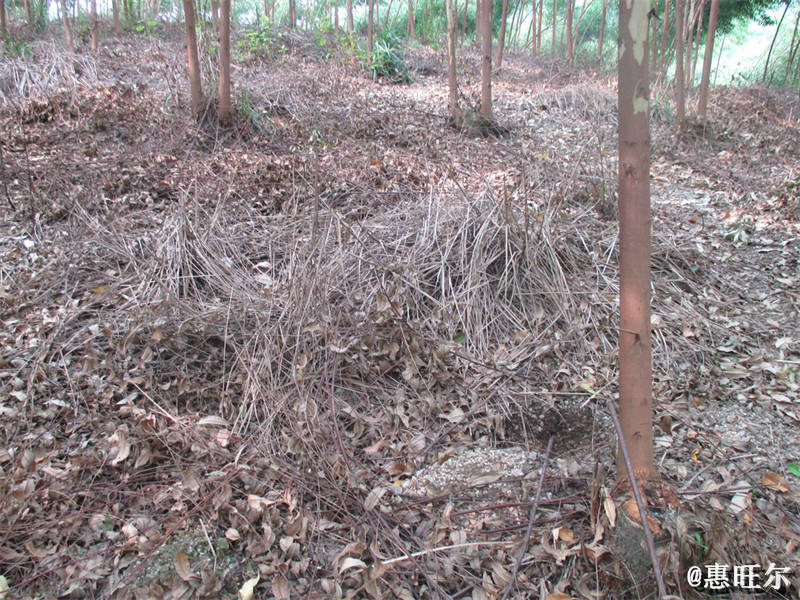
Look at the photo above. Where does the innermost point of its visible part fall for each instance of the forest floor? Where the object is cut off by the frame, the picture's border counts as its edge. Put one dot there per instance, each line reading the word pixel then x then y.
pixel 320 353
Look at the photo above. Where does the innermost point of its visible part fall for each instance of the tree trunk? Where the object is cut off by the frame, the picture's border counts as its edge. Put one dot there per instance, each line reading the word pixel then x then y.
pixel 602 30
pixel 700 16
pixel 654 38
pixel 712 28
pixel 664 30
pixel 635 361
pixel 539 27
pixel 464 22
pixel 688 48
pixel 486 59
pixel 772 44
pixel 224 106
pixel 215 15
pixel 452 83
pixel 386 15
pixel 377 17
pixel 193 60
pixel 67 29
pixel 350 16
pixel 555 18
pixel 478 22
pixel 680 93
pixel 533 26
pixel 292 14
pixel 501 39
pixel 411 25
pixel 94 26
pixel 370 19
pixel 115 10
pixel 568 31
pixel 792 48
pixel 3 24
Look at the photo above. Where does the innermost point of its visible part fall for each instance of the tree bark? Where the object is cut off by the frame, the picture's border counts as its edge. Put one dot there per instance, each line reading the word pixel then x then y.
pixel 193 59
pixel 94 26
pixel 539 27
pixel 602 30
pixel 115 10
pixel 3 24
pixel 533 26
pixel 555 18
pixel 568 31
pixel 635 361
pixel 452 83
pixel 664 30
pixel 501 39
pixel 224 105
pixel 292 14
pixel 350 16
pixel 712 28
pixel 464 22
pixel 772 44
pixel 680 93
pixel 689 25
pixel 411 25
pixel 701 15
pixel 654 38
pixel 792 48
pixel 215 15
pixel 67 29
pixel 486 59
pixel 370 19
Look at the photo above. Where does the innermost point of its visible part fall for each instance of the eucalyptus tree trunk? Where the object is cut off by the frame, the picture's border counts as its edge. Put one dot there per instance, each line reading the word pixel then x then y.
pixel 94 25
pixel 452 82
pixel 350 16
pixel 792 48
pixel 533 26
pixel 568 31
pixel 501 39
pixel 67 29
pixel 3 24
pixel 292 14
pixel 486 59
pixel 539 27
pixel 370 20
pixel 700 16
pixel 602 30
pixel 664 30
pixel 224 106
pixel 115 10
pixel 680 93
pixel 411 26
pixel 635 360
pixel 193 59
pixel 712 28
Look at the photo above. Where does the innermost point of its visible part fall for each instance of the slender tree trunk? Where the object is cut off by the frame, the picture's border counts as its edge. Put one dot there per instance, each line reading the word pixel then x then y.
pixel 688 48
pixel 539 27
pixel 195 81
pixel 3 24
pixel 115 10
pixel 336 16
pixel 478 22
pixel 292 14
pixel 635 360
pixel 501 39
pixel 568 31
pixel 370 19
pixel 350 16
pixel 515 25
pixel 699 31
pixel 555 18
pixel 67 29
pixel 772 44
pixel 664 30
pixel 94 25
pixel 214 15
pixel 533 26
pixel 602 30
pixel 486 59
pixel 792 48
pixel 224 106
pixel 464 22
pixel 377 17
pixel 712 28
pixel 386 15
pixel 452 83
pixel 680 94
pixel 411 25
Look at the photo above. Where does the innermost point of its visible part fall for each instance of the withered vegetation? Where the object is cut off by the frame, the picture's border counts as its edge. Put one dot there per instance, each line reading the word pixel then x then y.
pixel 326 346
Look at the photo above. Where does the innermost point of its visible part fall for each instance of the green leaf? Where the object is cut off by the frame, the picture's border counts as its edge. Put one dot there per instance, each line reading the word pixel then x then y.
pixel 699 539
pixel 794 469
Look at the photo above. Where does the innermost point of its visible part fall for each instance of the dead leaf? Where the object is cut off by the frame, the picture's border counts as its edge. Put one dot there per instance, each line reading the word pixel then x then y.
pixel 182 568
pixel 248 588
pixel 775 482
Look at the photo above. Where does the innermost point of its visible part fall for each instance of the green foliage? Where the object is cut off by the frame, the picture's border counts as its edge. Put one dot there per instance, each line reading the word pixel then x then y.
pixel 388 59
pixel 261 41
pixel 16 47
